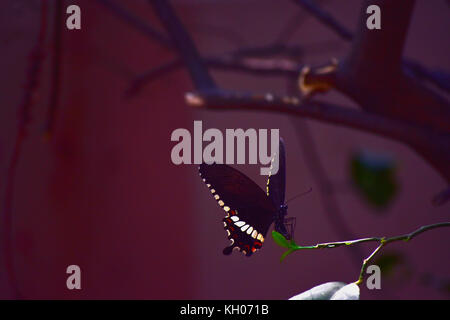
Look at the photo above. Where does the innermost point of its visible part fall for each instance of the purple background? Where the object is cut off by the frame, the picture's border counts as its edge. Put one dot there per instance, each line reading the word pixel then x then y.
pixel 102 193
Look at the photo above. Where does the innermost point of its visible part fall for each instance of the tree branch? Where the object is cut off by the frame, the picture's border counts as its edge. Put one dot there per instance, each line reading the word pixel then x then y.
pixel 184 45
pixel 412 67
pixel 325 17
pixel 391 105
pixel 383 241
pixel 254 66
pixel 326 112
pixel 137 23
pixel 373 77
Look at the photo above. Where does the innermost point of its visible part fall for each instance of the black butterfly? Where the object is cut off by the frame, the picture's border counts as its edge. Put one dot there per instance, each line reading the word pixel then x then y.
pixel 250 210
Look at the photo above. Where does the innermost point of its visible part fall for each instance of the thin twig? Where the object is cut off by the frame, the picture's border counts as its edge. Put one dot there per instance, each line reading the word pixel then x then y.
pixel 326 18
pixel 184 45
pixel 383 241
pixel 137 23
pixel 366 262
pixel 406 237
pixel 439 78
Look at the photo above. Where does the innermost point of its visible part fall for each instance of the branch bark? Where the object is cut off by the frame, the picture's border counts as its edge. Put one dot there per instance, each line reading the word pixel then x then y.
pixel 374 78
pixel 383 241
pixel 384 91
pixel 255 66
pixel 137 23
pixel 184 45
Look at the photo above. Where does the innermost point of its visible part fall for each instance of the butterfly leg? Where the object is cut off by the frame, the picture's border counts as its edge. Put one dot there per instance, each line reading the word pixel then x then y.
pixel 289 226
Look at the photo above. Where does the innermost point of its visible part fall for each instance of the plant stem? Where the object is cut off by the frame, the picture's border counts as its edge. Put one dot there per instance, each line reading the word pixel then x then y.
pixel 381 240
pixel 367 260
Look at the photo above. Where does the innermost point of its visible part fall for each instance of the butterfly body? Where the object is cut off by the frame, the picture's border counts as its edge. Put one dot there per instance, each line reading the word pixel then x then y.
pixel 249 210
pixel 280 219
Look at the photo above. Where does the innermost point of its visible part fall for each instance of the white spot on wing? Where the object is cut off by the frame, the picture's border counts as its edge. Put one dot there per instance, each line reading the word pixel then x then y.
pixel 239 223
pixel 245 227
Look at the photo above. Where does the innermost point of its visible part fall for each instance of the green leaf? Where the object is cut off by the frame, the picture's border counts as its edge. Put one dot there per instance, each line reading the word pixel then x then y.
pixel 280 240
pixel 286 253
pixel 292 244
pixel 374 176
pixel 321 292
pixel 349 292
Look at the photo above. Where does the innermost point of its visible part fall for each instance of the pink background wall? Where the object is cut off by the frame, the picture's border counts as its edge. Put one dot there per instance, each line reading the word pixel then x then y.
pixel 103 193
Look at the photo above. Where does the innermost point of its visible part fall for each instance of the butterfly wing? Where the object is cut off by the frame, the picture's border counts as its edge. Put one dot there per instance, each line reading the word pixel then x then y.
pixel 249 211
pixel 276 184
pixel 276 188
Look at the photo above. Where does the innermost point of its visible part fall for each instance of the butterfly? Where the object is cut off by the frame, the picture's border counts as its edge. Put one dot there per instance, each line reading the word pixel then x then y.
pixel 249 210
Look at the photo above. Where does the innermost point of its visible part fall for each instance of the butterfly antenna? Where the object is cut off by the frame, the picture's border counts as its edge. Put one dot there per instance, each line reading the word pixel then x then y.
pixel 300 194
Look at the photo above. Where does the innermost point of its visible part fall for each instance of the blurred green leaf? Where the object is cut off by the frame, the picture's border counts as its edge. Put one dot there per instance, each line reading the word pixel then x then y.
pixel 286 253
pixel 388 261
pixel 321 292
pixel 374 176
pixel 280 240
pixel 394 267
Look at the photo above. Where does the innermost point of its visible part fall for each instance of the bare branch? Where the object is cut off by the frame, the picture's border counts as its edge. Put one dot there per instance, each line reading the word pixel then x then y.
pixel 371 45
pixel 325 17
pixel 388 91
pixel 439 78
pixel 137 23
pixel 255 66
pixel 412 67
pixel 184 45
pixel 337 115
pixel 384 241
